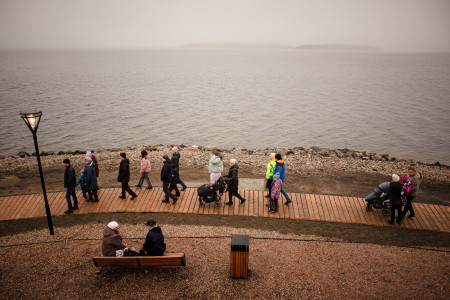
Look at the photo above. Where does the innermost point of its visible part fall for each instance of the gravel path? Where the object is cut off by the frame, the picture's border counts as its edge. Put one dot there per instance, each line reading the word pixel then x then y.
pixel 280 269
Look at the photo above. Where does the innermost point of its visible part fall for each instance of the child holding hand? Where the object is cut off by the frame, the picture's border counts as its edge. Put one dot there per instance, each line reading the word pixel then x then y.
pixel 275 194
pixel 80 182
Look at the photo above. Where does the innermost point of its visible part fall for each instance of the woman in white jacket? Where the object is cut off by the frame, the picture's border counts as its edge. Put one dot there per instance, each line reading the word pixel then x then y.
pixel 145 169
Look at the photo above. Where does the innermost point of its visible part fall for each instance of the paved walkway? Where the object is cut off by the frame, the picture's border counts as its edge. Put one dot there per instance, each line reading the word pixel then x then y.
pixel 304 206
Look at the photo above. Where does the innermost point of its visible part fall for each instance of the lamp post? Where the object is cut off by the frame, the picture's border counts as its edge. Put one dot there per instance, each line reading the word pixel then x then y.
pixel 32 121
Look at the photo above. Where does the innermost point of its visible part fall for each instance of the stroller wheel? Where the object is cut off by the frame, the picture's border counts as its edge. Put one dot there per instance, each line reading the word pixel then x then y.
pixel 386 211
pixel 368 207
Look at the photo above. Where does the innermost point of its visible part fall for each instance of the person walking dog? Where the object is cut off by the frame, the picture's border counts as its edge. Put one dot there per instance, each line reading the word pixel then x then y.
pixel 124 176
pixel 70 183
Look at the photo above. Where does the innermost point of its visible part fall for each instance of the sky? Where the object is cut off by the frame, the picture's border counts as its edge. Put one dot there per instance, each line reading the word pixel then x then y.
pixel 396 25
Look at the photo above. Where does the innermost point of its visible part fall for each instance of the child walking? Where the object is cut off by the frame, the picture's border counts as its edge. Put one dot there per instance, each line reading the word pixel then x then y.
pixel 80 181
pixel 275 194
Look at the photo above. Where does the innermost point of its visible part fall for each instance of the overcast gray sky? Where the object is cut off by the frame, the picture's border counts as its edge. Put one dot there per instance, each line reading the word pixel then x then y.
pixel 414 25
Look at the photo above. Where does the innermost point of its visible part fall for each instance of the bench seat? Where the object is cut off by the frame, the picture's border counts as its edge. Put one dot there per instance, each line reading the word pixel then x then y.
pixel 168 259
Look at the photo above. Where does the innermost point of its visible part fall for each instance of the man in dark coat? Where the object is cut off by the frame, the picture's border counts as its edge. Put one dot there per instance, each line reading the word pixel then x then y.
pixel 90 183
pixel 124 176
pixel 69 183
pixel 174 181
pixel 176 162
pixel 166 178
pixel 154 241
pixel 233 182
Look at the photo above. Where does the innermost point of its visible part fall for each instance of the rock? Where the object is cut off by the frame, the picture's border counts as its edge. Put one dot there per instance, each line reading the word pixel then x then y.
pixel 315 148
pixel 339 153
pixel 376 157
pixel 61 153
pixel 289 152
pixel 209 147
pixel 391 158
pixel 22 154
pixel 365 158
pixel 299 149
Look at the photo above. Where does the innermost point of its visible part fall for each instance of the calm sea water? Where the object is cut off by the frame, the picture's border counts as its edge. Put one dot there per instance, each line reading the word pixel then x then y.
pixel 381 102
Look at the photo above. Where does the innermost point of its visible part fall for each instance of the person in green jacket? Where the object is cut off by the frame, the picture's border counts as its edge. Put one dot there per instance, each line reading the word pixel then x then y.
pixel 215 167
pixel 269 173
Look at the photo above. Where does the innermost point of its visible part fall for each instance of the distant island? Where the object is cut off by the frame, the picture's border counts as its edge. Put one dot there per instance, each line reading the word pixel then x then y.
pixel 237 46
pixel 340 47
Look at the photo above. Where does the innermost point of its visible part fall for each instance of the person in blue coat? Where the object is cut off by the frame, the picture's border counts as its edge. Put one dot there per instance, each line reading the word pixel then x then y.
pixel 281 168
pixel 91 179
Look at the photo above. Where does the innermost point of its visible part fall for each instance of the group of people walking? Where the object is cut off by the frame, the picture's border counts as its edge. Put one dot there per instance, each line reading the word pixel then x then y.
pixel 399 194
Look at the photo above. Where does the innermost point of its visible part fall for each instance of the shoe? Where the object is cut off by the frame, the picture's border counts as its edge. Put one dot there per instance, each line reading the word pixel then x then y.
pixel 178 195
pixel 267 196
pixel 229 203
pixel 85 197
pixel 137 185
pixel 411 216
pixel 165 201
pixel 122 197
pixel 399 222
pixel 149 188
pixel 134 197
pixel 288 202
pixel 96 200
pixel 390 222
pixel 243 200
pixel 69 211
pixel 183 189
pixel 75 208
pixel 175 200
pixel 89 200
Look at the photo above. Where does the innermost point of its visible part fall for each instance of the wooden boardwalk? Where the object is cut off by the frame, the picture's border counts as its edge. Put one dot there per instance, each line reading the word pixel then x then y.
pixel 304 206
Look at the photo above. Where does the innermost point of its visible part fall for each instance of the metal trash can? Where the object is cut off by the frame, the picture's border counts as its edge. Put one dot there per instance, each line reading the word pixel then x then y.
pixel 239 256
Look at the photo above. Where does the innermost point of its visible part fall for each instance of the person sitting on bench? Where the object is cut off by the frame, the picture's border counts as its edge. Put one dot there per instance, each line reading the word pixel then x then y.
pixel 112 240
pixel 154 241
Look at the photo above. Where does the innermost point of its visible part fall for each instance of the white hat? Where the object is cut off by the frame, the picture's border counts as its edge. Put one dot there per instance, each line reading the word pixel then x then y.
pixel 395 178
pixel 175 149
pixel 233 161
pixel 113 225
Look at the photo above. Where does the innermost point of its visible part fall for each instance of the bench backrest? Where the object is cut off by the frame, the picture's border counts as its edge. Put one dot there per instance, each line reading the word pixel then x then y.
pixel 168 259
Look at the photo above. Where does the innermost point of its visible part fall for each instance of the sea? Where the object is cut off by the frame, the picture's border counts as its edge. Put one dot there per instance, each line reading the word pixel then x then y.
pixel 394 103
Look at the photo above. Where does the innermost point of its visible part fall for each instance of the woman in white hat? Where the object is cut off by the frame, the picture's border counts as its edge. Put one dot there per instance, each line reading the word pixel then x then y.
pixel 112 240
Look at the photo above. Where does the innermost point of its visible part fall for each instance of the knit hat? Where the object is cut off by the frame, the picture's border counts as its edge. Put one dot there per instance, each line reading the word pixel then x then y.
pixel 113 225
pixel 395 178
pixel 404 179
pixel 278 156
pixel 272 155
pixel 88 159
pixel 89 154
pixel 66 161
pixel 82 171
pixel 234 161
pixel 276 175
pixel 175 149
pixel 150 222
pixel 123 154
pixel 166 157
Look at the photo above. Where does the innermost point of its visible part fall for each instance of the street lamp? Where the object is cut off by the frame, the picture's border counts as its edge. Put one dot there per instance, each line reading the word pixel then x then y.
pixel 32 121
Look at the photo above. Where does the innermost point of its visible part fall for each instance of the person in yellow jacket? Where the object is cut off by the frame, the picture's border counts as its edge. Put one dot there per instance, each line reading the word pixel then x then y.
pixel 269 173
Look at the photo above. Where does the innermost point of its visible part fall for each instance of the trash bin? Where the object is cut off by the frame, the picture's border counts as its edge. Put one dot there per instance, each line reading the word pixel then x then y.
pixel 239 256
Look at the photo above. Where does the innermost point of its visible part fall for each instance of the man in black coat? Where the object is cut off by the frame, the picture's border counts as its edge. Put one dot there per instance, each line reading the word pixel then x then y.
pixel 124 176
pixel 154 241
pixel 395 199
pixel 233 183
pixel 166 178
pixel 69 183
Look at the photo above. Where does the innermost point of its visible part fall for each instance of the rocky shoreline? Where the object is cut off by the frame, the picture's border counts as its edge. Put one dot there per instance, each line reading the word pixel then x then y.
pixel 298 160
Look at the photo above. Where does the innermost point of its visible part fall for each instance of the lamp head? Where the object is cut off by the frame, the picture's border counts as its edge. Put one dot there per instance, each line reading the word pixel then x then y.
pixel 32 120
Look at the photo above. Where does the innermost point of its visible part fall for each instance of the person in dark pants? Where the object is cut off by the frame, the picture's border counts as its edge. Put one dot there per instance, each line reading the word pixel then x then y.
pixel 154 241
pixel 124 176
pixel 395 191
pixel 415 178
pixel 91 179
pixel 70 183
pixel 81 181
pixel 174 181
pixel 176 162
pixel 269 174
pixel 166 177
pixel 233 183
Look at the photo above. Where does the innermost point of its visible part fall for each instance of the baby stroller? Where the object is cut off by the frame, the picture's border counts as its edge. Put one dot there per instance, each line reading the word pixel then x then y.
pixel 208 193
pixel 381 202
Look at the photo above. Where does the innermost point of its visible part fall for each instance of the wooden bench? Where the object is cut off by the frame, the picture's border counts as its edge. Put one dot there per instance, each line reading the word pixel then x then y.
pixel 168 259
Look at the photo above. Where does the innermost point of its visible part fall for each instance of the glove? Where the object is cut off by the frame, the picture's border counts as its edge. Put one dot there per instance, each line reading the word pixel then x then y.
pixel 272 198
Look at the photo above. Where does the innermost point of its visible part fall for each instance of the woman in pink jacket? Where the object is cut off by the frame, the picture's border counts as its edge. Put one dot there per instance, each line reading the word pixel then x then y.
pixel 145 169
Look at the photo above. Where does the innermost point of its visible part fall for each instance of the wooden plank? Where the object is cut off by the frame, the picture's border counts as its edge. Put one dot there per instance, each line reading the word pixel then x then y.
pixel 327 200
pixel 435 217
pixel 318 205
pixel 183 200
pixel 20 204
pixel 305 207
pixel 104 200
pixel 193 203
pixel 421 219
pixel 430 217
pixel 361 208
pixel 144 203
pixel 263 208
pixel 332 202
pixel 9 206
pixel 356 209
pixel 157 205
pixel 312 209
pixel 24 211
pixel 323 204
pixel 442 216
